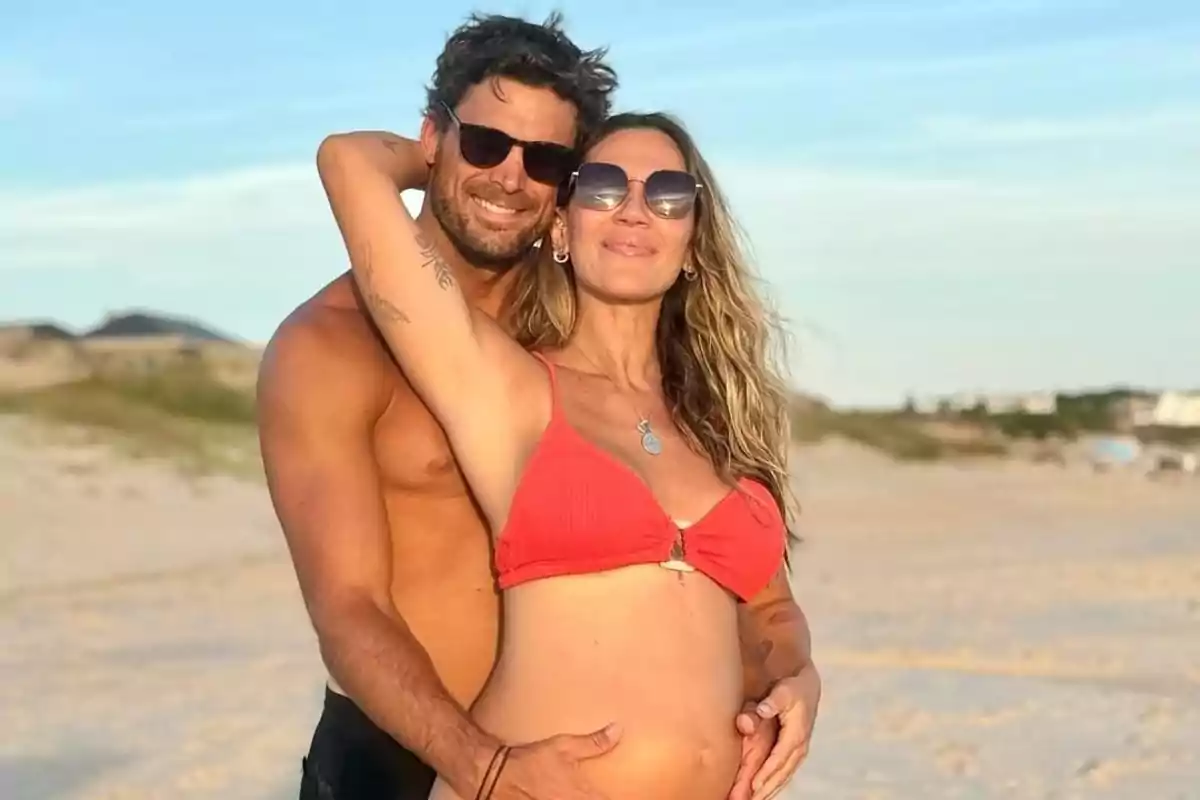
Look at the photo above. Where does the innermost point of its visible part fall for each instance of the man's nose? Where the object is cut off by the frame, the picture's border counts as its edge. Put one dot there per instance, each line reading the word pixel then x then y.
pixel 510 173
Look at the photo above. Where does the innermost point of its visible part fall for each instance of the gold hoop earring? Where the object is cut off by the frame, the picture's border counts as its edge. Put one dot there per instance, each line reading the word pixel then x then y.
pixel 561 257
pixel 690 273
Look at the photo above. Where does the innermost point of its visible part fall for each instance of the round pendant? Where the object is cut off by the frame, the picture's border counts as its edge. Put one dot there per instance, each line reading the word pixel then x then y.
pixel 650 443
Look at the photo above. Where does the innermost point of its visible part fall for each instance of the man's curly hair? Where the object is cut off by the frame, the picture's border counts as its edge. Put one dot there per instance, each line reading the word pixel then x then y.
pixel 497 46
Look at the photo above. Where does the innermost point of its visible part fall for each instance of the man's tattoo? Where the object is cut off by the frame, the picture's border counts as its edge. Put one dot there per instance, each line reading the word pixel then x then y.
pixel 381 305
pixel 783 639
pixel 783 615
pixel 430 258
pixel 386 308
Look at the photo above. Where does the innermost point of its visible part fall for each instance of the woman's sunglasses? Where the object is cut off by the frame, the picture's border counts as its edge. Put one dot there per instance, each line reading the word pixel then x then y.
pixel 484 147
pixel 669 193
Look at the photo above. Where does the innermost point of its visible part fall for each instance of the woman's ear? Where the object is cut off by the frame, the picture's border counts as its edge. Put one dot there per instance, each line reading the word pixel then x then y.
pixel 558 232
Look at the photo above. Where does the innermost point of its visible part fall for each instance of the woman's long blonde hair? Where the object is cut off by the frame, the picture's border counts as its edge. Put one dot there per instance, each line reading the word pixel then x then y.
pixel 720 346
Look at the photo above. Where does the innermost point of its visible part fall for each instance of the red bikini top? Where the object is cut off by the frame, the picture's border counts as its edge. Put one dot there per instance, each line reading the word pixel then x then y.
pixel 577 509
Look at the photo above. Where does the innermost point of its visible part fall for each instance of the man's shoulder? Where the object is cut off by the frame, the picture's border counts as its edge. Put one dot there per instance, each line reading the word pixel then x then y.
pixel 322 330
pixel 329 343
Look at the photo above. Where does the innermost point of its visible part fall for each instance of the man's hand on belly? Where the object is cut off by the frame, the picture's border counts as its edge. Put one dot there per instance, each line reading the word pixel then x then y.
pixel 549 769
pixel 776 734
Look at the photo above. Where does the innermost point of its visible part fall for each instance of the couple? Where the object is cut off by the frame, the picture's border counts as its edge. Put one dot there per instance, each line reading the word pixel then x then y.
pixel 563 356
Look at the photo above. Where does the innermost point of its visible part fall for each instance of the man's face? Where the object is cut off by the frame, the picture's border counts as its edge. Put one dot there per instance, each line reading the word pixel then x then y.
pixel 494 214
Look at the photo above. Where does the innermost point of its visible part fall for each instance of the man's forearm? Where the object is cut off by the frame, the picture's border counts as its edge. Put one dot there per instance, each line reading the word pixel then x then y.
pixel 776 643
pixel 380 664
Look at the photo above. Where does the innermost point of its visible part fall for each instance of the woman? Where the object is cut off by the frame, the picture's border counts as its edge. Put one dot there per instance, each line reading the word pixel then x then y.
pixel 627 447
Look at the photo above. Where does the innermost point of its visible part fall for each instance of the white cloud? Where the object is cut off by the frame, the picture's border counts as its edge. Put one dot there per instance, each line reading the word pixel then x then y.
pixel 838 221
pixel 165 226
pixel 268 225
pixel 274 221
pixel 240 248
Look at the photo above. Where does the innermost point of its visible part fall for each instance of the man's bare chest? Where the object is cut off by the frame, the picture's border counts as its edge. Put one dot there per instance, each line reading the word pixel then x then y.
pixel 413 453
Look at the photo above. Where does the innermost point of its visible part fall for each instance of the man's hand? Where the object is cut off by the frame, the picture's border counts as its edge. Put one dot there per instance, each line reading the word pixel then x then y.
pixel 775 735
pixel 549 769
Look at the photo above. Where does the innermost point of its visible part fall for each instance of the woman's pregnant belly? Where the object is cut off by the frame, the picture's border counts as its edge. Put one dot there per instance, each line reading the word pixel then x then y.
pixel 652 650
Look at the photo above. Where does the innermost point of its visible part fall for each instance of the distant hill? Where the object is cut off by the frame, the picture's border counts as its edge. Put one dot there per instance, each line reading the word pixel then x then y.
pixel 139 324
pixel 48 331
pixel 128 325
pixel 133 344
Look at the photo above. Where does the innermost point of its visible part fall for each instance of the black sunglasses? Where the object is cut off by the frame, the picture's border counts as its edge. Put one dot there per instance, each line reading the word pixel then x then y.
pixel 484 147
pixel 599 186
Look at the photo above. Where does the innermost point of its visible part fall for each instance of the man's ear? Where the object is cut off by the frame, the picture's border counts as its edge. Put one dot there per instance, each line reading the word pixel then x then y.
pixel 430 138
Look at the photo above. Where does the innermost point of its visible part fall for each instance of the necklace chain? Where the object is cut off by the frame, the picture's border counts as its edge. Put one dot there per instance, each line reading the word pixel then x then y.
pixel 677 557
pixel 650 441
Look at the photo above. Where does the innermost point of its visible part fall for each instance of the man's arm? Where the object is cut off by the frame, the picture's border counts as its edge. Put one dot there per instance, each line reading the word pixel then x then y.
pixel 318 404
pixel 776 642
pixel 782 688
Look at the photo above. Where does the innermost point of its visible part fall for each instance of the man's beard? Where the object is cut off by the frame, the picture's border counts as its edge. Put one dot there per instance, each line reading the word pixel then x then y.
pixel 496 253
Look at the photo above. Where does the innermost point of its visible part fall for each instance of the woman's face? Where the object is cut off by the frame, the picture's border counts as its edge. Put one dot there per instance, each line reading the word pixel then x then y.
pixel 621 250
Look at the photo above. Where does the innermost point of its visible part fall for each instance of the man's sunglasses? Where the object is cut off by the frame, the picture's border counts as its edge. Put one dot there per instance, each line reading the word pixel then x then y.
pixel 484 147
pixel 599 186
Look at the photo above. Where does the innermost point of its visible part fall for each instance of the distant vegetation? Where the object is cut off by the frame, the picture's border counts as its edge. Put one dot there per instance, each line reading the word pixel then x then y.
pixel 181 409
pixel 908 435
pixel 178 410
pixel 1076 414
pixel 900 435
pixel 159 385
pixel 180 406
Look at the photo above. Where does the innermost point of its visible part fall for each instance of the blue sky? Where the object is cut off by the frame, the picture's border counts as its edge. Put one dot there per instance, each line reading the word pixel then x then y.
pixel 944 195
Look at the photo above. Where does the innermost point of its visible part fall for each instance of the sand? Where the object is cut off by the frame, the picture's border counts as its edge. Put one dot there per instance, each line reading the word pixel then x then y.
pixel 1001 630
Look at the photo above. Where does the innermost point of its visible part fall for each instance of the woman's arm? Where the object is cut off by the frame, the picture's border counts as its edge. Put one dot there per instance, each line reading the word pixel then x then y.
pixel 459 361
pixel 403 162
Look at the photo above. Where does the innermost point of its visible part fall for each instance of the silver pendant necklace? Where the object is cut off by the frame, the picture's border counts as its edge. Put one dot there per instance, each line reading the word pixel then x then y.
pixel 650 441
pixel 677 557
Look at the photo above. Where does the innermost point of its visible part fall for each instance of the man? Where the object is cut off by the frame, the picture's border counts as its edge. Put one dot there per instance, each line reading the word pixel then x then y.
pixel 391 553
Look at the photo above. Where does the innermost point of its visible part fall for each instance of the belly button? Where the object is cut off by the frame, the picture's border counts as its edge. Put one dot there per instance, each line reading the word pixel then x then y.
pixel 706 754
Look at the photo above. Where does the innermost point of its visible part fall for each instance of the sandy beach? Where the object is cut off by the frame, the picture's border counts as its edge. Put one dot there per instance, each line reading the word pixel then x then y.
pixel 991 630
